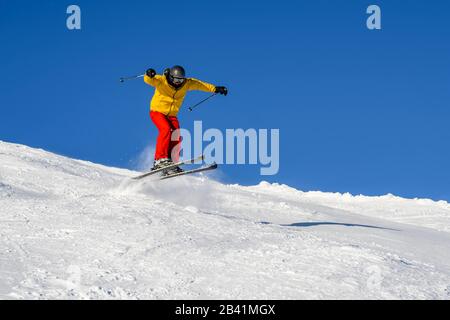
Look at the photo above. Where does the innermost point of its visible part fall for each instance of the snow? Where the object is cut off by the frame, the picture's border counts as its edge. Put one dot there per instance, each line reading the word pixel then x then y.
pixel 72 229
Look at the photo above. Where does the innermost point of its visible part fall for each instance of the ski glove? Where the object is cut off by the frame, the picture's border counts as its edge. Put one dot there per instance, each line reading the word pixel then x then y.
pixel 150 73
pixel 221 90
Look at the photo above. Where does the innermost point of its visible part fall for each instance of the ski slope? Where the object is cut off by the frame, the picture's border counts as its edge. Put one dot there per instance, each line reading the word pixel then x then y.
pixel 72 229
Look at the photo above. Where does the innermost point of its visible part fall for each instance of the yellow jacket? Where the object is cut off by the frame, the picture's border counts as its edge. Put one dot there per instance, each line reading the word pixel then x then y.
pixel 167 99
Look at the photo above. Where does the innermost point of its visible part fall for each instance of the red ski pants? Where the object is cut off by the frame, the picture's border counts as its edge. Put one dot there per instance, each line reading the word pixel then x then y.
pixel 166 145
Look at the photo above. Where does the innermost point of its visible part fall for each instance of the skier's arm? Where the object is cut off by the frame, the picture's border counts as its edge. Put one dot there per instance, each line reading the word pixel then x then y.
pixel 194 84
pixel 154 81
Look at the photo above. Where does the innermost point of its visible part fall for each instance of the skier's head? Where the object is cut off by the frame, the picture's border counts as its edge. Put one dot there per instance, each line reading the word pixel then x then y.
pixel 176 76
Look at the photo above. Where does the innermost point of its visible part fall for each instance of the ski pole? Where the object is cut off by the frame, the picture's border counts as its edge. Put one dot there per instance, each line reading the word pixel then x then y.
pixel 130 78
pixel 196 105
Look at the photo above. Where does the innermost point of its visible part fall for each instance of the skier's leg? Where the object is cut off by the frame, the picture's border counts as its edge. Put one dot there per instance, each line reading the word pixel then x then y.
pixel 175 141
pixel 163 141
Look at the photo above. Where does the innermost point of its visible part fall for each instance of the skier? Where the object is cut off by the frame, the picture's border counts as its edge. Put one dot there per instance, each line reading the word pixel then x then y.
pixel 170 91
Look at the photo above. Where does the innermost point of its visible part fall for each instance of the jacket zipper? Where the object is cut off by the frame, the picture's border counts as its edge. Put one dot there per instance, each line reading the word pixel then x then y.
pixel 173 101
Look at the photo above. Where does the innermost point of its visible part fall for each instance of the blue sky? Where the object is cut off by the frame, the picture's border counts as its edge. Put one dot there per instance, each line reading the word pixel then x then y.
pixel 359 111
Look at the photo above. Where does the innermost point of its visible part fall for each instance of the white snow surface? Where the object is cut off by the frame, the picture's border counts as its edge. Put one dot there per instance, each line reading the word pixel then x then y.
pixel 72 229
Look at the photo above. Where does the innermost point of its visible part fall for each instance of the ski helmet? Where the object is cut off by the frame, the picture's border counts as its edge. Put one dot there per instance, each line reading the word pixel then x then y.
pixel 176 75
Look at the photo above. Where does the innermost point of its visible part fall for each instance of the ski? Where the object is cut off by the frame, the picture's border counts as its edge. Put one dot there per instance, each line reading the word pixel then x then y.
pixel 201 169
pixel 180 163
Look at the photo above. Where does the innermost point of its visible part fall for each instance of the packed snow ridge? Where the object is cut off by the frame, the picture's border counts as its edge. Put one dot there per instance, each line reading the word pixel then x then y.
pixel 72 229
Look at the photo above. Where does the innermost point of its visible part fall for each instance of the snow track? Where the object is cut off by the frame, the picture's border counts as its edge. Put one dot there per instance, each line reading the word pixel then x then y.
pixel 76 230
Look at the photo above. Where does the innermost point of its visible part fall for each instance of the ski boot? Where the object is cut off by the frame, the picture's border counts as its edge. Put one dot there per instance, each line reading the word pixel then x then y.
pixel 173 171
pixel 161 163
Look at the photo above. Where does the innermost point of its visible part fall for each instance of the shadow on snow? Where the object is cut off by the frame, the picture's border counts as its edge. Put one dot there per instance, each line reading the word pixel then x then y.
pixel 322 223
